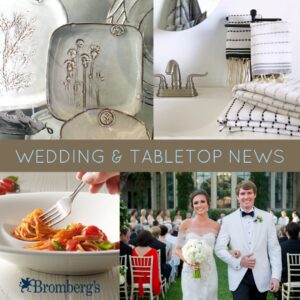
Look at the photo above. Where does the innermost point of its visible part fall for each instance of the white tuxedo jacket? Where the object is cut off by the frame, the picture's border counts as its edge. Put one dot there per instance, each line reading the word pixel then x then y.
pixel 264 246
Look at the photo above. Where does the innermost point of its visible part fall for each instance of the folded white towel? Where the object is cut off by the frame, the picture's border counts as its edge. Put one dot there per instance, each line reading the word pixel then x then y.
pixel 241 116
pixel 270 48
pixel 282 98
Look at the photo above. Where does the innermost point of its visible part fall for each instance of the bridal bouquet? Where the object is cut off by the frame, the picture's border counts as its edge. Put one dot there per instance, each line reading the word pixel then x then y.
pixel 195 252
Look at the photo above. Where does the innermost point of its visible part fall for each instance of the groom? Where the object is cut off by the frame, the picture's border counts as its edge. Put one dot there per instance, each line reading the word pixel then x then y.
pixel 256 267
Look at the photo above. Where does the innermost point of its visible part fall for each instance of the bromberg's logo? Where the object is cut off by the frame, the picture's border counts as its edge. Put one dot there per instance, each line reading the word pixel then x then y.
pixel 31 285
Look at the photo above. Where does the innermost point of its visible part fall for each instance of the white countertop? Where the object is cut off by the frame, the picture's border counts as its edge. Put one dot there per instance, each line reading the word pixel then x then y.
pixel 11 275
pixel 196 117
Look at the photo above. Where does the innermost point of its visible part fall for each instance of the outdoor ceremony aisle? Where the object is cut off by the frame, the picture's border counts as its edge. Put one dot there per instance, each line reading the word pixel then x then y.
pixel 174 291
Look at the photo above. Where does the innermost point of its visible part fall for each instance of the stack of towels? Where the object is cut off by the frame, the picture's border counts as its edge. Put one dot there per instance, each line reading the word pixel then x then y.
pixel 270 103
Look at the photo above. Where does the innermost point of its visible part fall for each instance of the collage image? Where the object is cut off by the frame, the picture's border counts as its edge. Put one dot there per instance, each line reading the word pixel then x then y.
pixel 191 72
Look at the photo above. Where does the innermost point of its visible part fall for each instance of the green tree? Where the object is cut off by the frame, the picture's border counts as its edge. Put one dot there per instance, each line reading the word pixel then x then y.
pixel 261 181
pixel 138 183
pixel 185 186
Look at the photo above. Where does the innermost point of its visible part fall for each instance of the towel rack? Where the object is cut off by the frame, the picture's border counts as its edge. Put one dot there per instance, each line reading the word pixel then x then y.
pixel 253 14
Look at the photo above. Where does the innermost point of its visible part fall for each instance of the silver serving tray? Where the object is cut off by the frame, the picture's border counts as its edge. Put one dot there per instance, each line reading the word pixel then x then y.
pixel 104 124
pixel 138 13
pixel 25 30
pixel 94 66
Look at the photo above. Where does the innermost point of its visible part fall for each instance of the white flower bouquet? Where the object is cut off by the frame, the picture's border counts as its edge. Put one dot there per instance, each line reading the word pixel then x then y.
pixel 195 252
pixel 122 273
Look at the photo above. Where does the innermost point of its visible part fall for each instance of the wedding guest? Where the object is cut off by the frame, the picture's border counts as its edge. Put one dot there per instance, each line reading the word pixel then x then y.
pixel 158 245
pixel 165 238
pixel 275 219
pixel 162 238
pixel 177 218
pixel 284 219
pixel 281 234
pixel 155 223
pixel 253 233
pixel 125 249
pixel 143 219
pixel 222 215
pixel 188 215
pixel 150 217
pixel 167 218
pixel 292 246
pixel 159 217
pixel 133 218
pixel 136 230
pixel 295 217
pixel 143 248
pixel 96 180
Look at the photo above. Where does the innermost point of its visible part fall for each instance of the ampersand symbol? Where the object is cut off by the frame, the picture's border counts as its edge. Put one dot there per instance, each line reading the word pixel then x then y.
pixel 116 156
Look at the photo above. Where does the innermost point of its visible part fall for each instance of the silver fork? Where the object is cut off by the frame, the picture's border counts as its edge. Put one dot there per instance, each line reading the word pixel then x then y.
pixel 61 209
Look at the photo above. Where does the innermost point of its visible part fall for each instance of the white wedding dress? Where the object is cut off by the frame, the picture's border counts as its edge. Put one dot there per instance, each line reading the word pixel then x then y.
pixel 205 288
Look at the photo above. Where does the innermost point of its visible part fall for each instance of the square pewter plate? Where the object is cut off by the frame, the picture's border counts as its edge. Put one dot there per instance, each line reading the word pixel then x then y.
pixel 94 66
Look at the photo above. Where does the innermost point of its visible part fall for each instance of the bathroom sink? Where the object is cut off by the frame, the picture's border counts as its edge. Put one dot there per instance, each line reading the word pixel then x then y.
pixel 196 118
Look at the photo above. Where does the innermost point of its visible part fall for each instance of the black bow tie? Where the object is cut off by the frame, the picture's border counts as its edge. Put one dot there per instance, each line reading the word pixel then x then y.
pixel 251 214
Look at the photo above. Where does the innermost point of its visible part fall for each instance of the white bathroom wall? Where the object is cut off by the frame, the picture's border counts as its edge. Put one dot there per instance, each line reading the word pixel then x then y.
pixel 202 48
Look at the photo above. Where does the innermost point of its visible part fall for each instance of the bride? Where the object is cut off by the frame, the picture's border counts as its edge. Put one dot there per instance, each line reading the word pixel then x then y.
pixel 203 228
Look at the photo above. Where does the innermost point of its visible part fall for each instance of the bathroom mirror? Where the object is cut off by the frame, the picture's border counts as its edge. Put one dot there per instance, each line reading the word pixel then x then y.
pixel 177 15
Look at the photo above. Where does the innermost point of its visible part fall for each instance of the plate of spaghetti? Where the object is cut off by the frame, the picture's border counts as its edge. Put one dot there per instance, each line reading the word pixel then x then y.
pixel 84 243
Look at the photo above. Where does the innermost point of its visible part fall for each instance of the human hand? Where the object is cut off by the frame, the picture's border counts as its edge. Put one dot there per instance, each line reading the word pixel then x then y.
pixel 235 253
pixel 248 262
pixel 274 285
pixel 97 179
pixel 195 266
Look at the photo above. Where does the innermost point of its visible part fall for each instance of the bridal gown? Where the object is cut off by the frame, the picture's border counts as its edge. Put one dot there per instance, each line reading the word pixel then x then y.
pixel 205 288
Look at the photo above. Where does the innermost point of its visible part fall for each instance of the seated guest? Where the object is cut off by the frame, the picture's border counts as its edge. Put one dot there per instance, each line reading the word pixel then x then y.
pixel 125 249
pixel 162 238
pixel 166 238
pixel 295 217
pixel 292 246
pixel 136 230
pixel 144 239
pixel 281 234
pixel 158 245
pixel 155 223
pixel 222 215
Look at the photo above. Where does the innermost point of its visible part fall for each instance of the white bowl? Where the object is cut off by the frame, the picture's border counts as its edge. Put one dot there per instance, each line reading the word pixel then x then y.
pixel 98 209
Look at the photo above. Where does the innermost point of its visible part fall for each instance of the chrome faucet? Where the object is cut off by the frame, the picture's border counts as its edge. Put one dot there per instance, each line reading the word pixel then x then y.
pixel 176 89
pixel 174 70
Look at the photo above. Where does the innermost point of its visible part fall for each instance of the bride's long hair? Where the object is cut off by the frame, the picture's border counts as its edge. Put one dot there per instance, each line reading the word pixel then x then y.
pixel 199 192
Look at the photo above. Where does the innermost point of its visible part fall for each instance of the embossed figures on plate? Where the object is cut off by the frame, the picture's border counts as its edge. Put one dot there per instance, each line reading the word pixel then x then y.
pixel 82 81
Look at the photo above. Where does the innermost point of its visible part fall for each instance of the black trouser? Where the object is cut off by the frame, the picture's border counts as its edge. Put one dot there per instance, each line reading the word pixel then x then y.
pixel 247 289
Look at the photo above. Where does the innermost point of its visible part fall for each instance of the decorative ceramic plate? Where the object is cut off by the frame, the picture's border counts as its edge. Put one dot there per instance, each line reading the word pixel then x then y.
pixel 138 13
pixel 98 209
pixel 104 124
pixel 25 30
pixel 92 66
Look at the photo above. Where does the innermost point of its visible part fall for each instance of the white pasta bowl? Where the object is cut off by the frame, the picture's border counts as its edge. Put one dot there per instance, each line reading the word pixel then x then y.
pixel 101 210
